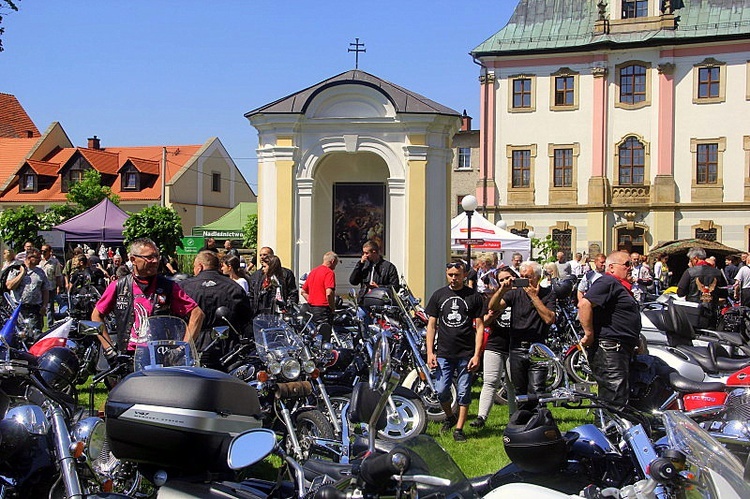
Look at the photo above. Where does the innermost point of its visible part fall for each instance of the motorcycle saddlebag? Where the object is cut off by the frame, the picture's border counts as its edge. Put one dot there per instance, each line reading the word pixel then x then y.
pixel 179 417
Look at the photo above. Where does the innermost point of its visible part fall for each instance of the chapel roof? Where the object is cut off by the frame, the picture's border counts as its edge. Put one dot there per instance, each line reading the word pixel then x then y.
pixel 404 101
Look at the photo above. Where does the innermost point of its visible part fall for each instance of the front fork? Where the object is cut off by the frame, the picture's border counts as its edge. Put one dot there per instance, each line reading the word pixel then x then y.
pixel 286 416
pixel 66 462
pixel 329 406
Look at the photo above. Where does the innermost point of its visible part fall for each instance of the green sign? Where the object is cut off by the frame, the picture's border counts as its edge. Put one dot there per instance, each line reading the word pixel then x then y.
pixel 190 245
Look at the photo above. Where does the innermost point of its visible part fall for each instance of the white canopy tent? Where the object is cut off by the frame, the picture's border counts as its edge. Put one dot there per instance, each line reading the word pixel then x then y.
pixel 495 238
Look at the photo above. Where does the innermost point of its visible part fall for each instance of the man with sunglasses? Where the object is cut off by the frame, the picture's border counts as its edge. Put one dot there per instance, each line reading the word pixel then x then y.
pixel 141 294
pixel 611 322
pixel 455 316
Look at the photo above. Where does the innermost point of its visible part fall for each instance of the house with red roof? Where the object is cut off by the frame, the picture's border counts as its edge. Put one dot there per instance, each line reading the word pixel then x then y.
pixel 200 181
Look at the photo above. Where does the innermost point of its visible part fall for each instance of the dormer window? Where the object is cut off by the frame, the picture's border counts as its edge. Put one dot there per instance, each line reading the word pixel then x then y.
pixel 634 8
pixel 130 181
pixel 75 175
pixel 28 182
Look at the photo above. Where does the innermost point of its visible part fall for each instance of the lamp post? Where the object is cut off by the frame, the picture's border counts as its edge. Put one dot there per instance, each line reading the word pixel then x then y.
pixel 469 204
pixel 531 235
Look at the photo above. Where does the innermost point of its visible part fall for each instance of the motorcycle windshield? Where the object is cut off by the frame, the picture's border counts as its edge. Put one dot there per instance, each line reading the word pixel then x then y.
pixel 715 468
pixel 428 458
pixel 164 344
pixel 275 337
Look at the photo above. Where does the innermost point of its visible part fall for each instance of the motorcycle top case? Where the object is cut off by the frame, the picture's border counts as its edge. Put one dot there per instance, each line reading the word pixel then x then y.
pixel 179 417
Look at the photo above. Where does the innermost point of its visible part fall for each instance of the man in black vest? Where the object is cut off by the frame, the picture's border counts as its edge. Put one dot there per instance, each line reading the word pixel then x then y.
pixel 703 283
pixel 141 294
pixel 211 289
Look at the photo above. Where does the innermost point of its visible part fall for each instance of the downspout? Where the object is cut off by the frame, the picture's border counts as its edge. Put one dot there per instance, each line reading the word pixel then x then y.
pixel 483 130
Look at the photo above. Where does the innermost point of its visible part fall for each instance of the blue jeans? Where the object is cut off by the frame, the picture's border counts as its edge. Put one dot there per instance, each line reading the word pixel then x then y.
pixel 446 371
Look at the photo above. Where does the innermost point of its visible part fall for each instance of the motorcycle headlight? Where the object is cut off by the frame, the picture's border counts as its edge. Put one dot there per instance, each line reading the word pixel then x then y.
pixel 30 417
pixel 274 368
pixel 290 369
pixel 91 432
pixel 308 366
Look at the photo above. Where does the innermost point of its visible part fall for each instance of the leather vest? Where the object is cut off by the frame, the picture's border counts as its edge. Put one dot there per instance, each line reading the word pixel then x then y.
pixel 123 311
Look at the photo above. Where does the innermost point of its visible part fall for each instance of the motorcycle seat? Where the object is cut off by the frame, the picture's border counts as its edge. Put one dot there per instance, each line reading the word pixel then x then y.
pixel 727 364
pixel 682 384
pixel 730 338
pixel 702 356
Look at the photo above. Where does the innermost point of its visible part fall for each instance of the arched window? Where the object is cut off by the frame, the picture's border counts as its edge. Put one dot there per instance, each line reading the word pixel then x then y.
pixel 632 162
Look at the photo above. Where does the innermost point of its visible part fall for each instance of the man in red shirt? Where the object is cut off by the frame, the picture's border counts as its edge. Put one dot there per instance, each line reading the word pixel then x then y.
pixel 319 289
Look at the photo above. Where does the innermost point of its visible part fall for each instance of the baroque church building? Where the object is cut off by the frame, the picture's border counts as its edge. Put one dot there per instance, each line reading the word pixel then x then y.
pixel 618 124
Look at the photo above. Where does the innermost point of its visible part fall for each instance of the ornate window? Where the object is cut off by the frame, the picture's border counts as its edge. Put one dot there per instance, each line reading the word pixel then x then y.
pixel 633 84
pixel 564 90
pixel 634 8
pixel 709 82
pixel 632 162
pixel 707 163
pixel 522 94
pixel 707 230
pixel 708 169
pixel 563 168
pixel 564 240
pixel 464 158
pixel 521 168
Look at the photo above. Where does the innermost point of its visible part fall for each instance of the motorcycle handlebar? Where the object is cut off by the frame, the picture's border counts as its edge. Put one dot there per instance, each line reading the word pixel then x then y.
pixel 375 470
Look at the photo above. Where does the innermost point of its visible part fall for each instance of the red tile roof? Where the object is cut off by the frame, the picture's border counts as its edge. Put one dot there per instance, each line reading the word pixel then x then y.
pixel 43 167
pixel 14 122
pixel 108 161
pixel 12 154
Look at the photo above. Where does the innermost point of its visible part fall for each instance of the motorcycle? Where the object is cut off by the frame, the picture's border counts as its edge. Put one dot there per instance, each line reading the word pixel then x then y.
pixel 47 447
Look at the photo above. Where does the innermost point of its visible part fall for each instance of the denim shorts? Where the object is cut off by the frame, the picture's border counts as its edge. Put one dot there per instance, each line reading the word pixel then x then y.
pixel 447 370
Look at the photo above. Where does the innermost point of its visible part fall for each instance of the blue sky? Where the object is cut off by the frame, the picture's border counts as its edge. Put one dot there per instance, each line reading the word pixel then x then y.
pixel 158 72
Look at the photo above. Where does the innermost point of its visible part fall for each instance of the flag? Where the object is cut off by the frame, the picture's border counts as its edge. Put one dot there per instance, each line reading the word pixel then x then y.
pixel 8 332
pixel 55 338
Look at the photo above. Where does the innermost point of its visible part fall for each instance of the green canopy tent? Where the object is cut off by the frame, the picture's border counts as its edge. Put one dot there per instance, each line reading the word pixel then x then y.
pixel 230 225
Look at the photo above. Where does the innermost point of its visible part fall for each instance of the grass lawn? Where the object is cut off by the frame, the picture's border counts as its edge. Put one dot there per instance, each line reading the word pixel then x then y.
pixel 483 451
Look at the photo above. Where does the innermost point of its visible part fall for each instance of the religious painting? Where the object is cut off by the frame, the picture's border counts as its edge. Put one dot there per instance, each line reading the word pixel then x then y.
pixel 358 216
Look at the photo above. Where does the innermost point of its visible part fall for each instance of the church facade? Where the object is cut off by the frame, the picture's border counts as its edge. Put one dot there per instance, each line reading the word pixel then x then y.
pixel 353 158
pixel 618 124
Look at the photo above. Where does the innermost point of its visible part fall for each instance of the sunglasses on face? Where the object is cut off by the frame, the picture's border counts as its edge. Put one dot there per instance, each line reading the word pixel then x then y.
pixel 454 265
pixel 627 264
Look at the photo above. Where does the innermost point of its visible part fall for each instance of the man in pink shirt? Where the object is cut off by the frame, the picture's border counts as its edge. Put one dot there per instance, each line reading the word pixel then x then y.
pixel 141 294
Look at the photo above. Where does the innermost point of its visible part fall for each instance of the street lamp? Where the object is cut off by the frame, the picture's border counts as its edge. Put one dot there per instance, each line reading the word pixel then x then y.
pixel 531 235
pixel 469 204
pixel 501 224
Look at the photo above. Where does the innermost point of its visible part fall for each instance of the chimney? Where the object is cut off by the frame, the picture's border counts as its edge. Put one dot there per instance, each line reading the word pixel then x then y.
pixel 465 122
pixel 94 142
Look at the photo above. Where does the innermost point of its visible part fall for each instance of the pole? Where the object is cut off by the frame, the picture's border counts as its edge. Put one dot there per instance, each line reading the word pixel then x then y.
pixel 468 231
pixel 163 177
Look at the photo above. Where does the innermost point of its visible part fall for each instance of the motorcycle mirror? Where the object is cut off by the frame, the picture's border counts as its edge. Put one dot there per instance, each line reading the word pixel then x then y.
pixel 539 352
pixel 90 328
pixel 381 364
pixel 220 333
pixel 250 447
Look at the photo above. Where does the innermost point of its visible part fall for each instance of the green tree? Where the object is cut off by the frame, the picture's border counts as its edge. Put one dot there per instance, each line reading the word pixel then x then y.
pixel 251 232
pixel 89 191
pixel 546 249
pixel 18 225
pixel 57 214
pixel 4 4
pixel 163 225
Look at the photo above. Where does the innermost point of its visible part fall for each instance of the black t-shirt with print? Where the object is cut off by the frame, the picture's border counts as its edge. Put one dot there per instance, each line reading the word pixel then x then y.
pixel 617 315
pixel 455 312
pixel 525 322
pixel 499 338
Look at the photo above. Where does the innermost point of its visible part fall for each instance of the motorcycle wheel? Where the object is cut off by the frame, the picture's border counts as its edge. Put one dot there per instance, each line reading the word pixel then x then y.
pixel 312 424
pixel 555 378
pixel 430 401
pixel 409 419
pixel 578 368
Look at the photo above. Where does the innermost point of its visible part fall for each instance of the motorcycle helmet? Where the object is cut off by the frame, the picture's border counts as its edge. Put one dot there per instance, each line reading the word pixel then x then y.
pixel 377 297
pixel 563 287
pixel 533 441
pixel 58 367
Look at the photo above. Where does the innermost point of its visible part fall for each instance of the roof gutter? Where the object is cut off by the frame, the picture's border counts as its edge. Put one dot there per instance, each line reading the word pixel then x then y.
pixel 482 132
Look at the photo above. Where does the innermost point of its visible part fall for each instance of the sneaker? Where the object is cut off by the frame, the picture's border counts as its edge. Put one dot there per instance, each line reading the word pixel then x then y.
pixel 448 423
pixel 458 435
pixel 478 423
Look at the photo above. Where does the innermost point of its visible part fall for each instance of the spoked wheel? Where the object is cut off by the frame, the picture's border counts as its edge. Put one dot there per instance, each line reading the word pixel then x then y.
pixel 578 368
pixel 407 421
pixel 429 399
pixel 312 424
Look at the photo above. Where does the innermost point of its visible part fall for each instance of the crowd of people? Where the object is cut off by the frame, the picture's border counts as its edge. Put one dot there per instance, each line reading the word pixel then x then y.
pixel 487 315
